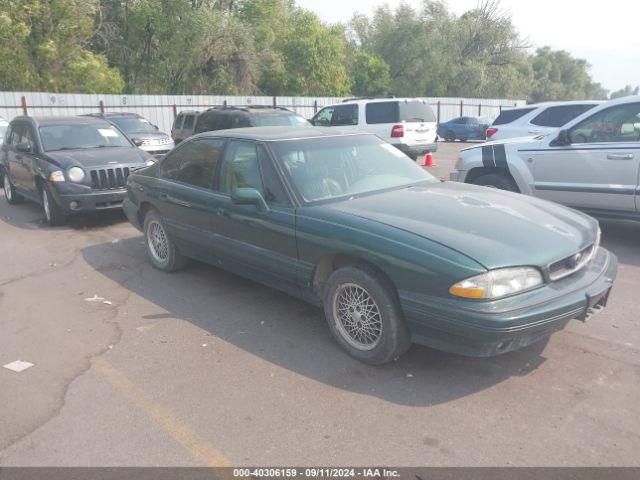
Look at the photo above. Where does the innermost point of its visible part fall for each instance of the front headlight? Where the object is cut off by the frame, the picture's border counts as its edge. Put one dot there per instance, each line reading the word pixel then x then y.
pixel 76 174
pixel 498 283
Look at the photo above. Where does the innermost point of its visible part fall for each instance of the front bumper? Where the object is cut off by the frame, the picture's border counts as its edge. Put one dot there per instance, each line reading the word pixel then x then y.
pixel 91 202
pixel 485 329
pixel 415 151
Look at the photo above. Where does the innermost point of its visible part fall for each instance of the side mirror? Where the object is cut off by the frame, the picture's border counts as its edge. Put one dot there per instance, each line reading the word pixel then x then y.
pixel 24 147
pixel 249 196
pixel 562 139
pixel 137 142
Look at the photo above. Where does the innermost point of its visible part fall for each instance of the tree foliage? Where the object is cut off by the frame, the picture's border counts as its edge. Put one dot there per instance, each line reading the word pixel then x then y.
pixel 273 47
pixel 44 46
pixel 626 92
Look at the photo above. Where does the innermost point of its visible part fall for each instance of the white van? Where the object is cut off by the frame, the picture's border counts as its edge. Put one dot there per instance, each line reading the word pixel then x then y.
pixel 409 124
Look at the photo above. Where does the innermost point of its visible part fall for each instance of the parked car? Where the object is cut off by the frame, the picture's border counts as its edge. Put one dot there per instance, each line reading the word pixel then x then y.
pixel 339 219
pixel 143 134
pixel 183 126
pixel 243 117
pixel 536 119
pixel 406 123
pixel 68 164
pixel 592 164
pixel 3 129
pixel 464 128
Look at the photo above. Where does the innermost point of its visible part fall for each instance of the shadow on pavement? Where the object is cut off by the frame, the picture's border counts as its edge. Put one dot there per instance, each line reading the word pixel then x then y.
pixel 623 239
pixel 293 335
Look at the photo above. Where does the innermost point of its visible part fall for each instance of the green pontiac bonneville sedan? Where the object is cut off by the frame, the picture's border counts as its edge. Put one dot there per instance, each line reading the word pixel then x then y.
pixel 347 222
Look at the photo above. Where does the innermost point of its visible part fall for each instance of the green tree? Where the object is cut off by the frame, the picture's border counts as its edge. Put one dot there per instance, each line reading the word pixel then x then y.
pixel 370 75
pixel 556 75
pixel 44 46
pixel 625 92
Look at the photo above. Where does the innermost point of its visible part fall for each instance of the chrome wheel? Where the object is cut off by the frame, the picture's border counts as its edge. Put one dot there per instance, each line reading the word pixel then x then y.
pixel 7 187
pixel 158 242
pixel 45 205
pixel 357 316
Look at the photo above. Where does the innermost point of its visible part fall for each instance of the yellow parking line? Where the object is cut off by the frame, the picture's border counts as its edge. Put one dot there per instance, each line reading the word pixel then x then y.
pixel 197 446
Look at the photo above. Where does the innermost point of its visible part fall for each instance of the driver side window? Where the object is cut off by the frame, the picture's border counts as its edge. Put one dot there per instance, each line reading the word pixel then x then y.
pixel 240 168
pixel 617 124
pixel 323 119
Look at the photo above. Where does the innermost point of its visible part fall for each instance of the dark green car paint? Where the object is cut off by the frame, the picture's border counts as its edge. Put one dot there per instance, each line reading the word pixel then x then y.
pixel 424 238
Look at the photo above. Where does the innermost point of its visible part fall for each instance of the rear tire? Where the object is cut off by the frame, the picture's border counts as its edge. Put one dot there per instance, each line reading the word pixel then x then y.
pixel 450 136
pixel 496 180
pixel 53 214
pixel 10 194
pixel 162 252
pixel 364 315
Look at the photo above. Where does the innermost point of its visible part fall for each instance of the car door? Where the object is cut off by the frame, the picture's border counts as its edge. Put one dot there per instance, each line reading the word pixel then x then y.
pixel 186 197
pixel 20 163
pixel 597 167
pixel 254 243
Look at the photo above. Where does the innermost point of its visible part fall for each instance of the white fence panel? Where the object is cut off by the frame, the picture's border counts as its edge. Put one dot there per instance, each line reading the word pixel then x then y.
pixel 161 109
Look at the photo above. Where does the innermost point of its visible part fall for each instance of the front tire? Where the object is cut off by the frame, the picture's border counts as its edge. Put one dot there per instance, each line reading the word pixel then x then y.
pixel 364 315
pixel 162 252
pixel 10 194
pixel 494 180
pixel 450 136
pixel 53 214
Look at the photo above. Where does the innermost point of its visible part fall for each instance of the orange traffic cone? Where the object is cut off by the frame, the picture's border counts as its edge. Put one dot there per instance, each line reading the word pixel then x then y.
pixel 429 160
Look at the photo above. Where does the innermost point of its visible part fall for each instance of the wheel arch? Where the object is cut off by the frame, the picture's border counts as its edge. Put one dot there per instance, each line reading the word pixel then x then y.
pixel 329 263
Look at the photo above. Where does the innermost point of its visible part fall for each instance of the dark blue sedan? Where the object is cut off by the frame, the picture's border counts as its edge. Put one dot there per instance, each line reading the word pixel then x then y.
pixel 464 128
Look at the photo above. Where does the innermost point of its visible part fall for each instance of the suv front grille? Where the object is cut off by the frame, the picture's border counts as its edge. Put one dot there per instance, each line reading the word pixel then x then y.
pixel 109 178
pixel 569 265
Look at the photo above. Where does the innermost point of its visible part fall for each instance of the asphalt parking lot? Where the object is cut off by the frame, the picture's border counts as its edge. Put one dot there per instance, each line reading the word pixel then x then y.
pixel 134 367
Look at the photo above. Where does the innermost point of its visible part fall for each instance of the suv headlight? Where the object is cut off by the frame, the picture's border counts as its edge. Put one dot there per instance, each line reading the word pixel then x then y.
pixel 76 174
pixel 498 283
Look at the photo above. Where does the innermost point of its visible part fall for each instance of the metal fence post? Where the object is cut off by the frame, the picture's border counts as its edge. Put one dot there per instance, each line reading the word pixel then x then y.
pixel 101 105
pixel 23 100
pixel 175 111
pixel 315 107
pixel 500 108
pixel 275 102
pixel 461 107
pixel 479 109
pixel 224 104
pixel 438 114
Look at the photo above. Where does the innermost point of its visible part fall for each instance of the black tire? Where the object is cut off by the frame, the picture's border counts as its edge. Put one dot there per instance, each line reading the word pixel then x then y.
pixel 53 214
pixel 450 136
pixel 162 252
pixel 389 336
pixel 10 194
pixel 496 180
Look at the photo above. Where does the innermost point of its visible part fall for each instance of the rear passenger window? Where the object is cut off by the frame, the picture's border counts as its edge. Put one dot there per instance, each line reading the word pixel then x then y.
pixel 199 162
pixel 508 116
pixel 188 121
pixel 208 122
pixel 560 115
pixel 382 112
pixel 344 115
pixel 178 122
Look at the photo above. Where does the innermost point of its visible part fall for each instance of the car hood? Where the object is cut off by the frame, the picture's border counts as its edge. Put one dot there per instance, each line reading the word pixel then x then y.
pixel 99 157
pixel 495 228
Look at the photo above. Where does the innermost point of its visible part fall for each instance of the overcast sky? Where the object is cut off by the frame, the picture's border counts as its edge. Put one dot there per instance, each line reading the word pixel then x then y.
pixel 604 33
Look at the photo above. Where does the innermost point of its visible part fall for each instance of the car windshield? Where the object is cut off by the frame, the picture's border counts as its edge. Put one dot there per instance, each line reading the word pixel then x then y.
pixel 346 166
pixel 131 124
pixel 79 136
pixel 278 120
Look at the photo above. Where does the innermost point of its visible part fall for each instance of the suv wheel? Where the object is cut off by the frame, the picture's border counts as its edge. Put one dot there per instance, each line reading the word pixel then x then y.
pixel 364 315
pixel 10 193
pixel 53 214
pixel 162 252
pixel 496 180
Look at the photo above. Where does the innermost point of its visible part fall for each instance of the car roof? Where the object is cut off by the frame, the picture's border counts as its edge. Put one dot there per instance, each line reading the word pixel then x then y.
pixel 272 134
pixel 61 120
pixel 113 114
pixel 557 104
pixel 252 110
pixel 379 100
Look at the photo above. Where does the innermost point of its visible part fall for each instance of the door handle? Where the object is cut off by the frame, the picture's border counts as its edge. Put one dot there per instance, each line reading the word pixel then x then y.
pixel 620 156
